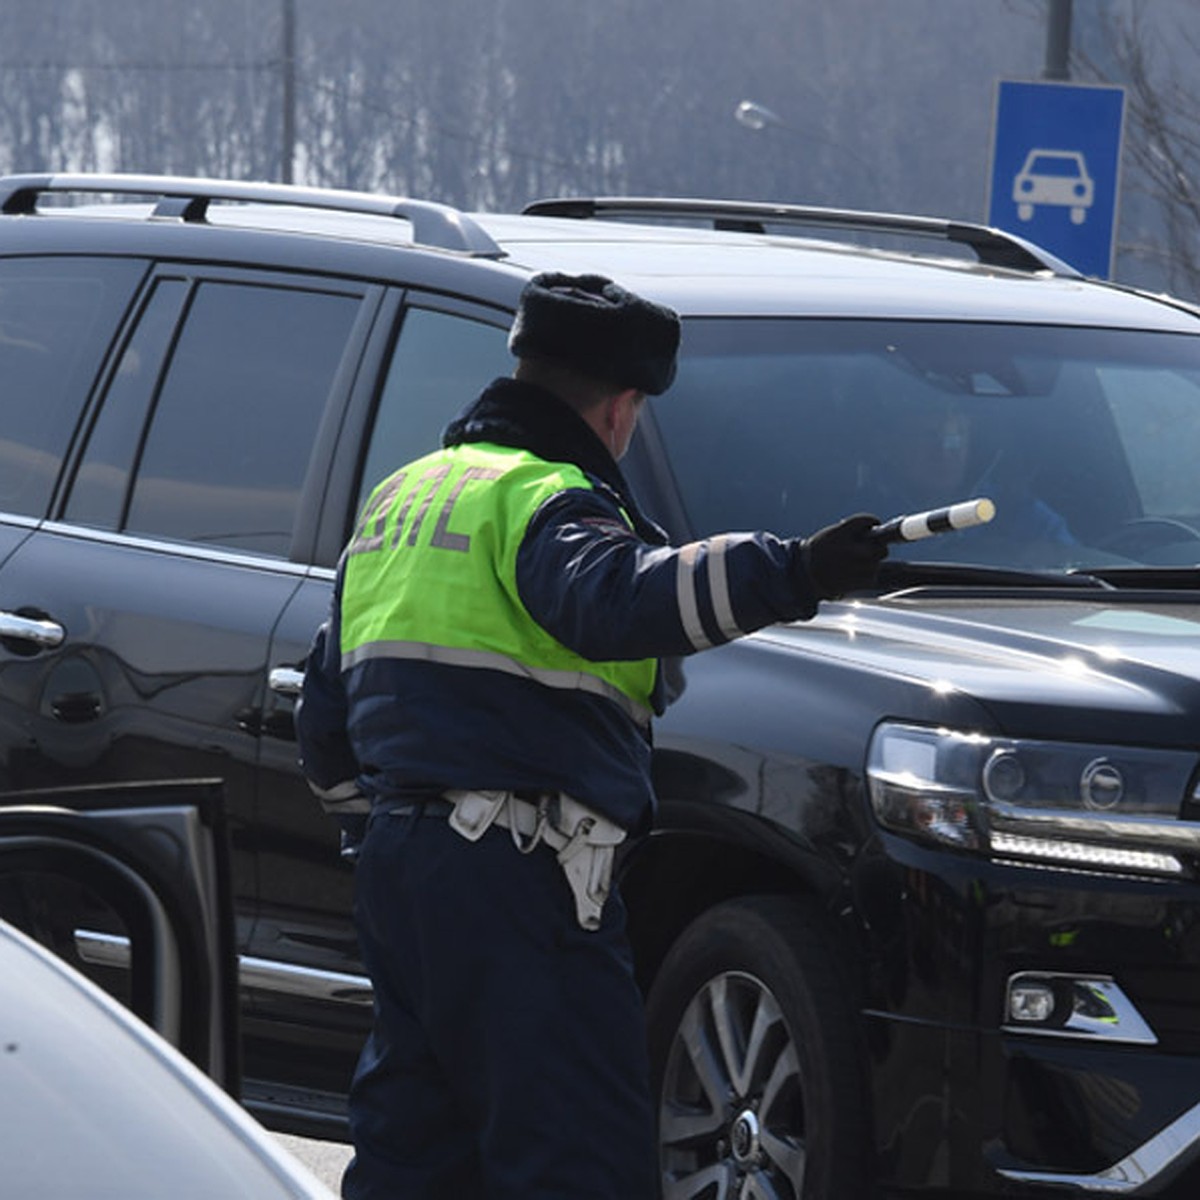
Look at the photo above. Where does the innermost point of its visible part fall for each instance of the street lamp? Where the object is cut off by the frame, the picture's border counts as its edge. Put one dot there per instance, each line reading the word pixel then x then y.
pixel 756 116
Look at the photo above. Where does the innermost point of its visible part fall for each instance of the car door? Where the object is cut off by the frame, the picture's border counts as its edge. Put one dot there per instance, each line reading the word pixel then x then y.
pixel 57 318
pixel 312 1005
pixel 149 862
pixel 169 557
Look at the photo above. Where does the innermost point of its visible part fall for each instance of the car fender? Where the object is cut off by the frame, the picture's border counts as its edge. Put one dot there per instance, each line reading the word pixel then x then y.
pixel 700 854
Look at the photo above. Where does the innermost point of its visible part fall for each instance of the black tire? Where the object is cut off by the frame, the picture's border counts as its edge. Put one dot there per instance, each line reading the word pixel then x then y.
pixel 756 1066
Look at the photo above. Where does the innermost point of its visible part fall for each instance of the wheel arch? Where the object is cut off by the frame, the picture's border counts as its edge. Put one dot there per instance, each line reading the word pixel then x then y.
pixel 701 855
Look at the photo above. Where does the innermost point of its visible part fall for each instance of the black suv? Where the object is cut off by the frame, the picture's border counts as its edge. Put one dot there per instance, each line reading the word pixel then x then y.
pixel 921 909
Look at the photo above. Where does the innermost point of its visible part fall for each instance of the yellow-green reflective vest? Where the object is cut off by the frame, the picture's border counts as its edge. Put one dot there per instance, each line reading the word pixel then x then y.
pixel 431 574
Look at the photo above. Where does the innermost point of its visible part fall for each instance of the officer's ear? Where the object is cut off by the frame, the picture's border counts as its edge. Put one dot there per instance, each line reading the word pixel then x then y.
pixel 627 401
pixel 625 409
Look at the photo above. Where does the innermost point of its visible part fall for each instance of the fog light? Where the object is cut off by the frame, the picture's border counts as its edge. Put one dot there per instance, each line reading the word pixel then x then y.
pixel 1030 1002
pixel 1087 1007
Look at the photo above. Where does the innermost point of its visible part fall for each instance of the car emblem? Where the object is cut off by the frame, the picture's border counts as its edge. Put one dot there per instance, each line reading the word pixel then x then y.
pixel 744 1137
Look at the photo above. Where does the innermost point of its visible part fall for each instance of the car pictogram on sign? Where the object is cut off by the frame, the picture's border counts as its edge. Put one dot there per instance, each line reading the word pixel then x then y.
pixel 1058 177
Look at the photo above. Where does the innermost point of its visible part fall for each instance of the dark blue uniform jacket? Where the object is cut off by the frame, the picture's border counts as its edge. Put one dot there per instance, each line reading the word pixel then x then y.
pixel 608 592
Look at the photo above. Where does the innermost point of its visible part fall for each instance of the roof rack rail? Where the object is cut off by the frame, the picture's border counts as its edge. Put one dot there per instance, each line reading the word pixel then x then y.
pixel 188 200
pixel 992 247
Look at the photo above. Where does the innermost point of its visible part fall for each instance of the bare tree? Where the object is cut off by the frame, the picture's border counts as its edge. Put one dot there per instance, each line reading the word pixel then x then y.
pixel 493 103
pixel 1154 60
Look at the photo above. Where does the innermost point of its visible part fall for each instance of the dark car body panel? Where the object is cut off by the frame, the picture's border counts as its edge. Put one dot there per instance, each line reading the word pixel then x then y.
pixel 160 677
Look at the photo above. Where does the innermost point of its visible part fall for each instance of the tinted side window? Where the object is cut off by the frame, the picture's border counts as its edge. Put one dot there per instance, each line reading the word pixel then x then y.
pixel 57 317
pixel 441 362
pixel 233 428
pixel 102 483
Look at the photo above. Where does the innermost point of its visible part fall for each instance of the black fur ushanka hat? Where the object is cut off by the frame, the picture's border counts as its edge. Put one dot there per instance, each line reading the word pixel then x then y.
pixel 593 325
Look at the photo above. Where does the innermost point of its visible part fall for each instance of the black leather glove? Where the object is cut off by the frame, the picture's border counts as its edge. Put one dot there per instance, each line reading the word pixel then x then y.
pixel 842 558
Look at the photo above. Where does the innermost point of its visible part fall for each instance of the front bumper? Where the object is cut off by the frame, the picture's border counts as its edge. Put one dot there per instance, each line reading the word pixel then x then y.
pixel 970 1102
pixel 1114 1105
pixel 965 1113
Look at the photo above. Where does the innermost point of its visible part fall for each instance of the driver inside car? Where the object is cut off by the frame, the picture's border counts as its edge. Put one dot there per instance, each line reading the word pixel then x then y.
pixel 925 455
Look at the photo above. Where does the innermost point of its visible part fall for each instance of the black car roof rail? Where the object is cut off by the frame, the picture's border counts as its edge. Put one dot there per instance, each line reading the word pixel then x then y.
pixel 992 247
pixel 188 199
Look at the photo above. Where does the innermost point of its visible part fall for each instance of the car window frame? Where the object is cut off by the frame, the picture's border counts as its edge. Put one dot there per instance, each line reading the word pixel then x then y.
pixel 369 295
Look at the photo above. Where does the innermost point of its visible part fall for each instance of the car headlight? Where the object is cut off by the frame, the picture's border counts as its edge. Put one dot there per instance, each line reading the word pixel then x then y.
pixel 1089 806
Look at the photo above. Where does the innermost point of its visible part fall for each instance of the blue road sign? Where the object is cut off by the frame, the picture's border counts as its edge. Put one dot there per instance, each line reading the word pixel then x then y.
pixel 1056 159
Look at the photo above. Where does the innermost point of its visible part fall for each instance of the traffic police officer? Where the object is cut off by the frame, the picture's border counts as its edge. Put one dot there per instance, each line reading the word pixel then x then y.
pixel 483 689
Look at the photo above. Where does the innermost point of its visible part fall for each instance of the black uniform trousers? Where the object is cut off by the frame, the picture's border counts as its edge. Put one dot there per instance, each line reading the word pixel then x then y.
pixel 507 1059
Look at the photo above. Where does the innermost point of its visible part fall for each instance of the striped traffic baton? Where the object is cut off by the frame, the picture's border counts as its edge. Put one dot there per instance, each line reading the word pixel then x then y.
pixel 914 526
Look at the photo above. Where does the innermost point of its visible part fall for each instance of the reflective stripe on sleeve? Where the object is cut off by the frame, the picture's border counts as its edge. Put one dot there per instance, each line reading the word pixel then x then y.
pixel 685 592
pixel 456 656
pixel 688 595
pixel 718 584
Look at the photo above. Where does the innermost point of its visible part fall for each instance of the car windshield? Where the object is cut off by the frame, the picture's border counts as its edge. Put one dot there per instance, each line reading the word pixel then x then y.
pixel 1086 440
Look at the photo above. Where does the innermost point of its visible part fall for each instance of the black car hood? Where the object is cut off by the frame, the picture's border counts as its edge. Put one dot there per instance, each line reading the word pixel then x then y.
pixel 1054 665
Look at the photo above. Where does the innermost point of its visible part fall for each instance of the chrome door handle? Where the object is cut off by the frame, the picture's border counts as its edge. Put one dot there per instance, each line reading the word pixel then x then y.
pixel 285 681
pixel 42 632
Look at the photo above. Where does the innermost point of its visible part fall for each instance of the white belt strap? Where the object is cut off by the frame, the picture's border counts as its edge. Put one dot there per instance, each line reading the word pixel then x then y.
pixel 584 842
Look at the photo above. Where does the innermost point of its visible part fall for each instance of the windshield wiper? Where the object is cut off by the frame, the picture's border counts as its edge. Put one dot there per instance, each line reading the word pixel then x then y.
pixel 897 575
pixel 1170 579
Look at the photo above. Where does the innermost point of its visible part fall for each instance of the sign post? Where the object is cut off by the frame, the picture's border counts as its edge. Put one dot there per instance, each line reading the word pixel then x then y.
pixel 1056 164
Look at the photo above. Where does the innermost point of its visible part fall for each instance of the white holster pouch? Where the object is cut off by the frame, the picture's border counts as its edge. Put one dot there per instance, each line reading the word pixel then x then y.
pixel 583 841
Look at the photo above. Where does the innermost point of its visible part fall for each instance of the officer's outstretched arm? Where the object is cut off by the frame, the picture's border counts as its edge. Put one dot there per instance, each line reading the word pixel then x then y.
pixel 587 579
